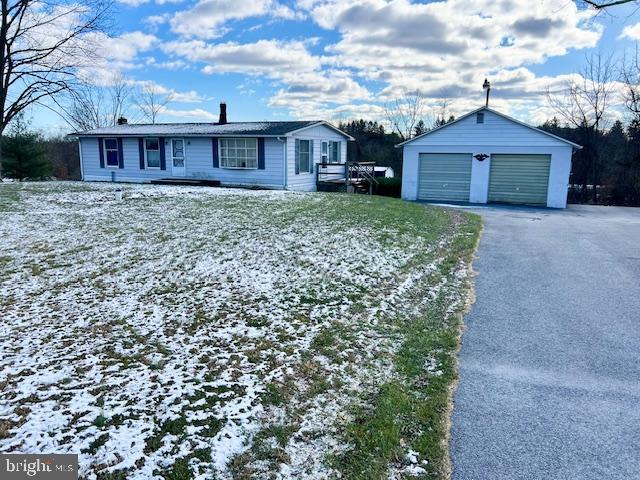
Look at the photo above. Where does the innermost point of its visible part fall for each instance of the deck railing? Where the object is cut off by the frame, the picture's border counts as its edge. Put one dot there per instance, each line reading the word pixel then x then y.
pixel 357 175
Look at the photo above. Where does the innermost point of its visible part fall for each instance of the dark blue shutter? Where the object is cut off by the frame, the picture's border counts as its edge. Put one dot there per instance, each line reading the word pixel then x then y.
pixel 141 152
pixel 101 150
pixel 261 153
pixel 296 158
pixel 120 154
pixel 214 151
pixel 163 154
pixel 310 156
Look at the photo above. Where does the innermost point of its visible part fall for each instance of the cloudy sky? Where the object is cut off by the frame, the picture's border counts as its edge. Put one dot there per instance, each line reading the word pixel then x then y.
pixel 336 60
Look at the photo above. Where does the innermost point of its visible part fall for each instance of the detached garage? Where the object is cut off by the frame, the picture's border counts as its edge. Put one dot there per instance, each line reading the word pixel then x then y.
pixel 485 156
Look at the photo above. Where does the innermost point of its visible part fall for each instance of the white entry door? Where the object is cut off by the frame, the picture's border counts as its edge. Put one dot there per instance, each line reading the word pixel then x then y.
pixel 177 157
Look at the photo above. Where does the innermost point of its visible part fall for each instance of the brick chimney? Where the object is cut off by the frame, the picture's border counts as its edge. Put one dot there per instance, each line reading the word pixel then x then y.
pixel 223 113
pixel 122 120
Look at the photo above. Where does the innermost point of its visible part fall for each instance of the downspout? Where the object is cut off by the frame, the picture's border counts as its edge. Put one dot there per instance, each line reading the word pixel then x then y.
pixel 80 155
pixel 285 160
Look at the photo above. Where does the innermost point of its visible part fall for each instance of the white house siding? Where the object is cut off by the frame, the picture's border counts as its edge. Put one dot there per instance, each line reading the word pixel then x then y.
pixel 131 172
pixel 198 162
pixel 318 133
pixel 496 135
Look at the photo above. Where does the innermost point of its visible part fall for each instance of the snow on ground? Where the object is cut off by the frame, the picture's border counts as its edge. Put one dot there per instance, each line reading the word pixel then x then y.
pixel 142 332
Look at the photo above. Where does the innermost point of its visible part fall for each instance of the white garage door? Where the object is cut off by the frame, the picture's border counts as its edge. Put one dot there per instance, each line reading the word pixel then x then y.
pixel 519 179
pixel 444 177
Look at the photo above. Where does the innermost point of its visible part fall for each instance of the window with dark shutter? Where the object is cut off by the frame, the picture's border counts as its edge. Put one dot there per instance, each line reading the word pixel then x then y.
pixel 111 152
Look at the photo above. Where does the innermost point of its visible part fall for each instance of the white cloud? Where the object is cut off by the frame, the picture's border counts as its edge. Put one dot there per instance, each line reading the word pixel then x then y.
pixel 153 22
pixel 631 31
pixel 137 3
pixel 113 55
pixel 445 49
pixel 301 76
pixel 197 114
pixel 209 18
pixel 190 96
pixel 441 49
pixel 133 3
pixel 173 65
pixel 175 96
pixel 267 57
pixel 319 88
pixel 127 46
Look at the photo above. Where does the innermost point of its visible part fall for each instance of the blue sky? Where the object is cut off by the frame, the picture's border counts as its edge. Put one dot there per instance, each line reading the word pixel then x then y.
pixel 336 60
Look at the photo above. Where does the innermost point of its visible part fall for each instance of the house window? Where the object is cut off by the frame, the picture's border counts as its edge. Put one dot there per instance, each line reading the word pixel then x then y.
pixel 334 152
pixel 238 153
pixel 111 152
pixel 330 152
pixel 152 152
pixel 480 117
pixel 303 157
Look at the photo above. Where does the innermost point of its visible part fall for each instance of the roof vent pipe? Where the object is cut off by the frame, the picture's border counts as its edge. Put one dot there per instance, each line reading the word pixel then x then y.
pixel 223 113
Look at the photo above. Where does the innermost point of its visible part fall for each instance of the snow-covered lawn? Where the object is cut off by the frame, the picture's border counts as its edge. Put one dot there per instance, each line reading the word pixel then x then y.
pixel 208 332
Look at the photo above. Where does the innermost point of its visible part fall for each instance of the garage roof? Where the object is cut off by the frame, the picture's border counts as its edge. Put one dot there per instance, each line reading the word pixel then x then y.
pixel 574 145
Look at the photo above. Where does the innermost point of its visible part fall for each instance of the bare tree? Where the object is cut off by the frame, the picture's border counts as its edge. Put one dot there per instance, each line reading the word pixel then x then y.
pixel 152 100
pixel 583 104
pixel 42 45
pixel 90 106
pixel 443 116
pixel 606 4
pixel 630 77
pixel 403 114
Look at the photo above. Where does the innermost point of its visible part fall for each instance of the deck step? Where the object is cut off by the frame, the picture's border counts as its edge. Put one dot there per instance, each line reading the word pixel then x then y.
pixel 191 182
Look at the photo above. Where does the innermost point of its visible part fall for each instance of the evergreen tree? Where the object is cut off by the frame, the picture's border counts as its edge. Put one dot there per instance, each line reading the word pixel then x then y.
pixel 627 186
pixel 373 144
pixel 24 153
pixel 420 128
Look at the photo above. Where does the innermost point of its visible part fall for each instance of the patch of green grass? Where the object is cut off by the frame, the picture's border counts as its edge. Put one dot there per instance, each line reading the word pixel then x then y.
pixel 268 446
pixel 376 434
pixel 212 426
pixel 275 394
pixel 179 470
pixel 10 198
pixel 117 475
pixel 329 339
pixel 175 426
pixel 412 411
pixel 96 444
pixel 100 421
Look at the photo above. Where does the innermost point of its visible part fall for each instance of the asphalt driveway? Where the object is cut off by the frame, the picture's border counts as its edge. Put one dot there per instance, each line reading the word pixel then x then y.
pixel 550 362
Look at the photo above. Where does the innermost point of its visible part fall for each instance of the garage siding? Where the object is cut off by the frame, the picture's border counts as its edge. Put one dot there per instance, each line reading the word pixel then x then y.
pixel 444 177
pixel 498 135
pixel 522 179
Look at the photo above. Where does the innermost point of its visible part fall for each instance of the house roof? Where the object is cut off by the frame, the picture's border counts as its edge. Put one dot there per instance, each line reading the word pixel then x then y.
pixel 574 145
pixel 252 129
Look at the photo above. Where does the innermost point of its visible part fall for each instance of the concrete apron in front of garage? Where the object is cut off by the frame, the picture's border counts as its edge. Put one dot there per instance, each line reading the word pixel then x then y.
pixel 550 362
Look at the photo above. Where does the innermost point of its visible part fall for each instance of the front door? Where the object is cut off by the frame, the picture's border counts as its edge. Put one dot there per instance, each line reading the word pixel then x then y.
pixel 177 155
